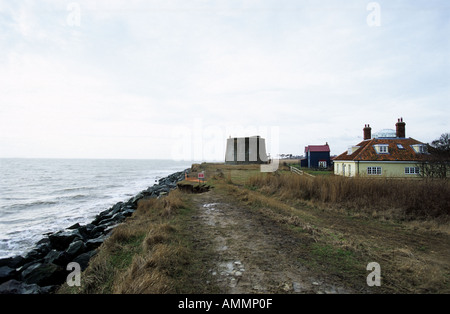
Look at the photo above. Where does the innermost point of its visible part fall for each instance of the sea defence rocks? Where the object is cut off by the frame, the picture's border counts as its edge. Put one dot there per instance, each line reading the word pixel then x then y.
pixel 44 268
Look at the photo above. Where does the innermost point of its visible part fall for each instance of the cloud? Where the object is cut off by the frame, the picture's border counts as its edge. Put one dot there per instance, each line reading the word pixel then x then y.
pixel 133 71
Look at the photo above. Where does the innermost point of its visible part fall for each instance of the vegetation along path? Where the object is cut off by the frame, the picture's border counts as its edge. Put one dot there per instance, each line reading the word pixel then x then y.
pixel 264 241
pixel 251 232
pixel 251 254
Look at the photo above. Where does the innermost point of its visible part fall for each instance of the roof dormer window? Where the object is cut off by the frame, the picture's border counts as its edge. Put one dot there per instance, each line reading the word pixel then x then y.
pixel 352 149
pixel 382 148
pixel 419 148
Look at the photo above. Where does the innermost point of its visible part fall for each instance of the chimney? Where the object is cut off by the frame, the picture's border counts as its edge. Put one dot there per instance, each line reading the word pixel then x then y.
pixel 367 132
pixel 400 128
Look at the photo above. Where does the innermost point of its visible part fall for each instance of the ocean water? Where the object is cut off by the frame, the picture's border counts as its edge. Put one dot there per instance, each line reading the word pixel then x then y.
pixel 38 196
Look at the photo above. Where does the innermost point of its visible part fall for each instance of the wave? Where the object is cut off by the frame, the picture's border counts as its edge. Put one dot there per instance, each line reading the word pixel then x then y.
pixel 32 204
pixel 14 198
pixel 82 197
pixel 79 196
pixel 114 185
pixel 14 221
pixel 72 189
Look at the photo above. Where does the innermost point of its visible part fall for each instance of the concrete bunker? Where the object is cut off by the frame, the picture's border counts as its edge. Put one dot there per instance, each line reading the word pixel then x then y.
pixel 246 150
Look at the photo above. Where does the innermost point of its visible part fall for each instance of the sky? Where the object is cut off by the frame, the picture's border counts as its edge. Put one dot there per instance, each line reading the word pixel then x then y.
pixel 174 79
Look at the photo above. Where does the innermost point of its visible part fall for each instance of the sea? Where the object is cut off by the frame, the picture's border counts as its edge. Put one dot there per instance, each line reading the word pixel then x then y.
pixel 39 196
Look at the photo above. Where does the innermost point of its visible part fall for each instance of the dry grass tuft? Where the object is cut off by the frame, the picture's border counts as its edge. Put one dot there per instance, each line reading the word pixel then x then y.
pixel 138 279
pixel 172 202
pixel 142 255
pixel 152 272
pixel 159 234
pixel 388 198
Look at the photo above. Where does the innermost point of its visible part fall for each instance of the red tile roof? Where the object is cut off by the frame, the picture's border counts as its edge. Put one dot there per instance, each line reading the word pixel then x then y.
pixel 366 150
pixel 317 148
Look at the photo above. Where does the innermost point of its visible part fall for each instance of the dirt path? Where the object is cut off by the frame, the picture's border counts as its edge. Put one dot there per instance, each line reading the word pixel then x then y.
pixel 252 255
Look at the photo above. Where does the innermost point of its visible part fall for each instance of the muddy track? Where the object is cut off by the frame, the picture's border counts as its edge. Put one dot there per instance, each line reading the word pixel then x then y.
pixel 251 254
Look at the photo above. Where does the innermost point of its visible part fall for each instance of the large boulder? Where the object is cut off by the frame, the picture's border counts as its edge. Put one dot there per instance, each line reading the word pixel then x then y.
pixel 41 249
pixel 83 259
pixel 57 257
pixel 95 243
pixel 135 199
pixel 44 274
pixel 98 231
pixel 75 248
pixel 13 262
pixel 18 287
pixel 62 239
pixel 116 208
pixel 7 273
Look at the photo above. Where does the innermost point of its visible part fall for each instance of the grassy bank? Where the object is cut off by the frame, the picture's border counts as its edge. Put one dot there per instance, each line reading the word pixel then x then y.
pixel 391 199
pixel 151 253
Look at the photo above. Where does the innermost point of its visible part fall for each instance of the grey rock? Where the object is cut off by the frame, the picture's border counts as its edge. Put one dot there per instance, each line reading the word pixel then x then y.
pixel 128 212
pixel 95 243
pixel 7 273
pixel 52 256
pixel 135 199
pixel 98 230
pixel 61 240
pixel 13 262
pixel 41 249
pixel 116 208
pixel 45 275
pixel 75 248
pixel 17 287
pixel 118 217
pixel 105 222
pixel 83 259
pixel 57 257
pixel 28 268
pixel 74 226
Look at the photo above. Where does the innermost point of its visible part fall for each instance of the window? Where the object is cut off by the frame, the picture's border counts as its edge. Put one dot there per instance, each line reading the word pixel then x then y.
pixel 374 170
pixel 322 164
pixel 382 148
pixel 352 149
pixel 420 148
pixel 412 170
pixel 400 146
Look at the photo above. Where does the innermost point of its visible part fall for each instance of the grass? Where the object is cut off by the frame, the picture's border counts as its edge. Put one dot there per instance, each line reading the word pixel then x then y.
pixel 392 199
pixel 314 172
pixel 150 253
pixel 335 259
pixel 346 223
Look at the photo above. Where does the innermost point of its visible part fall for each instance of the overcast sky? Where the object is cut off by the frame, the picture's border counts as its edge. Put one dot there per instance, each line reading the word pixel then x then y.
pixel 173 79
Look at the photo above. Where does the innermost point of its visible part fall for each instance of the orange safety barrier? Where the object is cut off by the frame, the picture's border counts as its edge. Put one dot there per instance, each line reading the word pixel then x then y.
pixel 194 179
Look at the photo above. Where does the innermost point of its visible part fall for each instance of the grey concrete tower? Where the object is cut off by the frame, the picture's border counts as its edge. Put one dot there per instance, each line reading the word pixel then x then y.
pixel 246 150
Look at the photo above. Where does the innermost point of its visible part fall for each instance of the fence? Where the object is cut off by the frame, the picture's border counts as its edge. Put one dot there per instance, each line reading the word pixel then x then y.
pixel 299 172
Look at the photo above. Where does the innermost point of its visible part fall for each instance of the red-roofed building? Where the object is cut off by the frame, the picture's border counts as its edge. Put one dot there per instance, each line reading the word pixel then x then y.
pixel 389 153
pixel 316 156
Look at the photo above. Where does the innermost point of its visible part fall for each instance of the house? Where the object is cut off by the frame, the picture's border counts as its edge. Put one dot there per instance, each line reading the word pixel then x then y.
pixel 316 156
pixel 246 150
pixel 389 153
